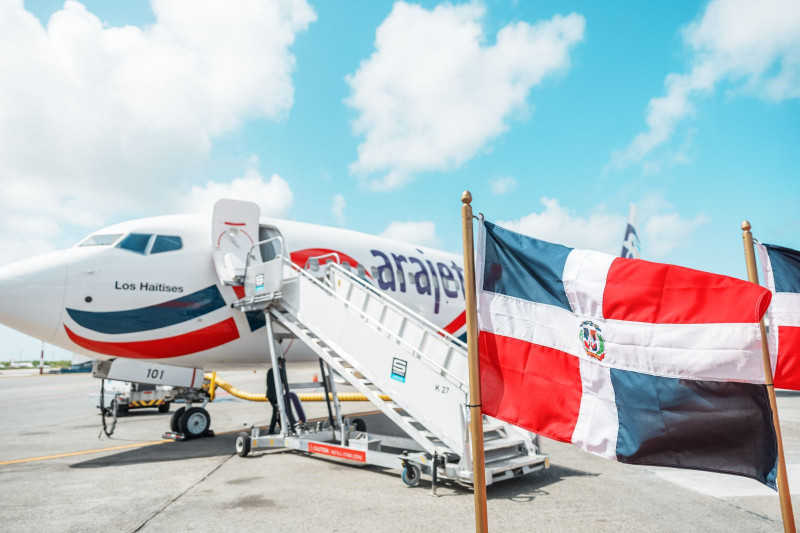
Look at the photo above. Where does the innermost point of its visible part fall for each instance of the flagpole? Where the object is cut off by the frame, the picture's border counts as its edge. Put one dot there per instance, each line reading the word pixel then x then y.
pixel 475 413
pixel 783 482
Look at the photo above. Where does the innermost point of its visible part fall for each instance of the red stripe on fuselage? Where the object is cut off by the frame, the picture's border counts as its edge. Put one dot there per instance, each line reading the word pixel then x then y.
pixel 188 343
pixel 301 257
pixel 457 323
pixel 655 293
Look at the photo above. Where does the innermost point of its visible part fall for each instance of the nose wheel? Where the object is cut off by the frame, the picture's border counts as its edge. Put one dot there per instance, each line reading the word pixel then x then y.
pixel 176 416
pixel 189 424
pixel 194 422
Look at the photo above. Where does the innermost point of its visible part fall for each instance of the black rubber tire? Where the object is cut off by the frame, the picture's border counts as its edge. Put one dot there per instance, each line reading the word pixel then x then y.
pixel 411 475
pixel 176 416
pixel 359 424
pixel 164 407
pixel 243 444
pixel 194 422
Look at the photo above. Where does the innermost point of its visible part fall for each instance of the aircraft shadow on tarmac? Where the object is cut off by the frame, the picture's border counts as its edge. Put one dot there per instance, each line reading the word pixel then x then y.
pixel 169 451
pixel 522 489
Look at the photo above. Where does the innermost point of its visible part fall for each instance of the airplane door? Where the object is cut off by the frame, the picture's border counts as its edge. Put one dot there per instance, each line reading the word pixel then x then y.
pixel 234 232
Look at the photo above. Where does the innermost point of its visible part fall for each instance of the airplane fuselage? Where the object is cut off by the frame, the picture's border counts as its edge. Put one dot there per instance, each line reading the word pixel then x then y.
pixel 148 289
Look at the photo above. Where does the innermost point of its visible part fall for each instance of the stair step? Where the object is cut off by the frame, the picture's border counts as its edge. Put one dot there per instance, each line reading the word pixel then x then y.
pixel 502 444
pixel 520 461
pixel 493 437
pixel 492 426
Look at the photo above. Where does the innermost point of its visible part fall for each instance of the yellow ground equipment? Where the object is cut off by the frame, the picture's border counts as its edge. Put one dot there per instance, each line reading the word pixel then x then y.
pixel 214 382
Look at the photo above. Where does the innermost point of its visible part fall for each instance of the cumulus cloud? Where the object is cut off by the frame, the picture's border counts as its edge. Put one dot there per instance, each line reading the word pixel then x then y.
pixel 420 233
pixel 502 185
pixel 273 195
pixel 23 236
pixel 433 94
pixel 599 231
pixel 660 227
pixel 98 120
pixel 338 207
pixel 754 45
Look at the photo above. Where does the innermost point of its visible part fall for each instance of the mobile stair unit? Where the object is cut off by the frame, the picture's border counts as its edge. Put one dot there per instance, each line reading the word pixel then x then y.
pixel 382 349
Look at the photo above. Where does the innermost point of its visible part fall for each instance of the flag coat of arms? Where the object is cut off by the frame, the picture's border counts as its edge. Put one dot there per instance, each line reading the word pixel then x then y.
pixel 781 268
pixel 639 362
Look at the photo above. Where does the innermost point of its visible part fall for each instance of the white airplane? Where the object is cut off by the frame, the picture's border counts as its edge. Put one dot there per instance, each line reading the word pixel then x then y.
pixel 159 290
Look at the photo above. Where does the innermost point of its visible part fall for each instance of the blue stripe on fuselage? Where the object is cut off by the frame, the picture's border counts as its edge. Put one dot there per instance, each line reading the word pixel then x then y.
pixel 524 267
pixel 153 317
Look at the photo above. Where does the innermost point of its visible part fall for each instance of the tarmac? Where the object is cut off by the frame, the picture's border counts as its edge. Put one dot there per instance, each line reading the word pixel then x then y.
pixel 57 474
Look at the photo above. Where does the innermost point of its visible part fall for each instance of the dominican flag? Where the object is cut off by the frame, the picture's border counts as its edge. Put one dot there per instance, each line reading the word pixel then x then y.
pixel 638 362
pixel 782 273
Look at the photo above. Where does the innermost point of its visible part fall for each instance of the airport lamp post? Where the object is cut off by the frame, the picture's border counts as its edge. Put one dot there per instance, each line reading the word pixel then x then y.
pixel 41 361
pixel 475 411
pixel 783 482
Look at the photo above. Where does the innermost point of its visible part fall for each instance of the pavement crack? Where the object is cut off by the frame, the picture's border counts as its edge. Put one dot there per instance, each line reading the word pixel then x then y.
pixel 180 495
pixel 753 513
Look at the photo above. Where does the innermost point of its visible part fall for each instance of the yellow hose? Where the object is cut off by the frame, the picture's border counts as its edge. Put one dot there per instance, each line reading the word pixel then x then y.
pixel 312 397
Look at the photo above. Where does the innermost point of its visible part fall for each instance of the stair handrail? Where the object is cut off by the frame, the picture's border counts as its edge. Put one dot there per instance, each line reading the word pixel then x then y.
pixel 265 241
pixel 462 384
pixel 318 257
pixel 398 305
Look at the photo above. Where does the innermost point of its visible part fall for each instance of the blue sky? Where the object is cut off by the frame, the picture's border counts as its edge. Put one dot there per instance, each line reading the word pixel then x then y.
pixel 552 113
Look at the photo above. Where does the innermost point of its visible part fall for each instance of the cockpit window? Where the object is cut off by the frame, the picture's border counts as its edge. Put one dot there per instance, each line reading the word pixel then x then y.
pixel 101 240
pixel 135 242
pixel 166 243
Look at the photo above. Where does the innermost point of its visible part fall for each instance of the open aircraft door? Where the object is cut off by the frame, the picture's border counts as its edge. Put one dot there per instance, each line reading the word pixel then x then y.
pixel 234 236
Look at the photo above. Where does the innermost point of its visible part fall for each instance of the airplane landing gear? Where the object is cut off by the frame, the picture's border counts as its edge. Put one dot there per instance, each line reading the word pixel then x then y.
pixel 190 422
pixel 176 416
pixel 194 422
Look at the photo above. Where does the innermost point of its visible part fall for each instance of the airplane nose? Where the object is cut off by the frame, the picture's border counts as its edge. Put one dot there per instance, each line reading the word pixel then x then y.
pixel 32 294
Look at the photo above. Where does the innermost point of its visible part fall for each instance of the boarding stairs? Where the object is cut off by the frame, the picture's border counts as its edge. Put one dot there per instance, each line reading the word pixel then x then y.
pixel 380 347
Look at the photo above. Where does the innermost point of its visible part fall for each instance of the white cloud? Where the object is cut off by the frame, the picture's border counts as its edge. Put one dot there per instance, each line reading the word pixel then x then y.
pixel 660 228
pixel 502 185
pixel 98 120
pixel 599 231
pixel 338 207
pixel 755 45
pixel 433 94
pixel 23 236
pixel 273 196
pixel 666 232
pixel 420 233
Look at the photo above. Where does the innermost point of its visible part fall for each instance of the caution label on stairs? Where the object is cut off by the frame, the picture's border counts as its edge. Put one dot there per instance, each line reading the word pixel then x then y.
pixel 335 451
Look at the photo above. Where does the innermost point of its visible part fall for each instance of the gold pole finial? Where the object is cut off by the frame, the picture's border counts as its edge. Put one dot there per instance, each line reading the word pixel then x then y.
pixel 466 197
pixel 746 225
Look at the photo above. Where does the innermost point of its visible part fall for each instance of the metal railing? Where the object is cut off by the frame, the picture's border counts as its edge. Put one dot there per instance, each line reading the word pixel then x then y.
pixel 280 255
pixel 406 312
pixel 318 257
pixel 400 307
